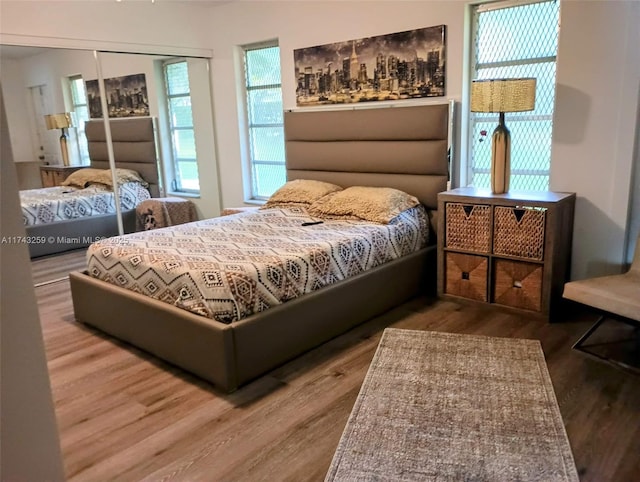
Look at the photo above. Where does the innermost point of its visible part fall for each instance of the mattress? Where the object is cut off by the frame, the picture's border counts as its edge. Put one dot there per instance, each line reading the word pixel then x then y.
pixel 63 203
pixel 231 267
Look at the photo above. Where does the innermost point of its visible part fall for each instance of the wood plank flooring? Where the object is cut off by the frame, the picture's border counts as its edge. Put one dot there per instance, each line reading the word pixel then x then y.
pixel 124 415
pixel 51 268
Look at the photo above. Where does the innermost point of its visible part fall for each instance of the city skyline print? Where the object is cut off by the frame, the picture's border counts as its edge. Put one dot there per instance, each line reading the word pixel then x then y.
pixel 402 65
pixel 126 96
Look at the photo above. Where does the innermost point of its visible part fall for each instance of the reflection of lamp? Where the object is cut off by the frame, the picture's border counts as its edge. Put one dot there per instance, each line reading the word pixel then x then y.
pixel 502 95
pixel 61 121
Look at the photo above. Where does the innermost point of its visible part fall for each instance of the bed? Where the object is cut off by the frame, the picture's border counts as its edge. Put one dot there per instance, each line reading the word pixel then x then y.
pixel 400 147
pixel 134 148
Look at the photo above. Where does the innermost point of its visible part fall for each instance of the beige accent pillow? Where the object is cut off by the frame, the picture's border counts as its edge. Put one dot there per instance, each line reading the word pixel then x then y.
pixel 300 191
pixel 375 204
pixel 83 177
pixel 122 176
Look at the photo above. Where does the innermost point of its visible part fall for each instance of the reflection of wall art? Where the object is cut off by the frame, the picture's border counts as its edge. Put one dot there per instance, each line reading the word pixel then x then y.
pixel 93 99
pixel 401 65
pixel 126 96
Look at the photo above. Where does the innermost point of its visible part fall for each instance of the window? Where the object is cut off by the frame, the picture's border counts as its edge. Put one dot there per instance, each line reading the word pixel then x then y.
pixel 265 128
pixel 182 134
pixel 516 41
pixel 81 109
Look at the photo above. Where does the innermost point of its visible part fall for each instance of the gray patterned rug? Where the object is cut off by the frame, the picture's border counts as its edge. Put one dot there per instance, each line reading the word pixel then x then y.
pixel 449 407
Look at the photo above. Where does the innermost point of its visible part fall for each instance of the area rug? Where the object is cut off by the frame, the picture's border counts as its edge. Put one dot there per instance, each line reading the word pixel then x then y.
pixel 449 407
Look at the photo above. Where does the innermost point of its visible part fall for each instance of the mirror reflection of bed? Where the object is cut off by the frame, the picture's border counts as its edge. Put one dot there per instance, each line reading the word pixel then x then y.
pixel 35 81
pixel 86 194
pixel 84 205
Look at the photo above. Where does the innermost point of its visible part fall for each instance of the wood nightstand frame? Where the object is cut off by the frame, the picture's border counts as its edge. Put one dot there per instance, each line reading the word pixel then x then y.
pixel 539 292
pixel 54 175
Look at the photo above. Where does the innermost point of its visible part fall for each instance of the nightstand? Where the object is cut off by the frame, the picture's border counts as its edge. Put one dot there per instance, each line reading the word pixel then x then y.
pixel 54 175
pixel 238 210
pixel 510 250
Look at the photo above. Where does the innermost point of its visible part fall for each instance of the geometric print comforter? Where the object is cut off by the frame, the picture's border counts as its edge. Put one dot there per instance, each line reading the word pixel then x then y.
pixel 61 203
pixel 231 267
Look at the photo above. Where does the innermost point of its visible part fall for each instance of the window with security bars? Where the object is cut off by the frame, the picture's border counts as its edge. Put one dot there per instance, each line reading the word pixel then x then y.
pixel 265 125
pixel 182 134
pixel 511 41
pixel 81 109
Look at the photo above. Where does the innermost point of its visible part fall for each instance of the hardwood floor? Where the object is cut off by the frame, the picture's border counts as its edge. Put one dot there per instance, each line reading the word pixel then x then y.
pixel 124 415
pixel 51 268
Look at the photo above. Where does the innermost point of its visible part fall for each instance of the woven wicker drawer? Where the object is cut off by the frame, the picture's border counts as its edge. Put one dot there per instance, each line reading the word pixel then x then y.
pixel 519 231
pixel 466 276
pixel 468 227
pixel 517 284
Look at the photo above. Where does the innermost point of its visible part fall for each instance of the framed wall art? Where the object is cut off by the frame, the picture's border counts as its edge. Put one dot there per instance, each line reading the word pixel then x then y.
pixel 402 65
pixel 126 96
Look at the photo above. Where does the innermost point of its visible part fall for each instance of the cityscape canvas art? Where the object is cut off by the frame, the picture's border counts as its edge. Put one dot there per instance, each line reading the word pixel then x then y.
pixel 402 65
pixel 126 96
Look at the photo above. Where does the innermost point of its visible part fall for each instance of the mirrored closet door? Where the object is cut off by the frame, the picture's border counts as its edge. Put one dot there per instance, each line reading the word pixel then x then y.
pixel 44 81
pixel 45 108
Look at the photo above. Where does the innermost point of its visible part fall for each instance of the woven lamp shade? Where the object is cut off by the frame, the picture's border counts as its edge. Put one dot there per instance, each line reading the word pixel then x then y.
pixel 59 121
pixel 503 95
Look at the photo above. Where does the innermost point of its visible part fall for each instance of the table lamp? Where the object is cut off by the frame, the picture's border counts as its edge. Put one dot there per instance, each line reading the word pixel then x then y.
pixel 61 121
pixel 502 95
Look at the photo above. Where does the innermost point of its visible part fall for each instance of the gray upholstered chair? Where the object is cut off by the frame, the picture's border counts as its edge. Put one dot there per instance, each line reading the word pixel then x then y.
pixel 615 297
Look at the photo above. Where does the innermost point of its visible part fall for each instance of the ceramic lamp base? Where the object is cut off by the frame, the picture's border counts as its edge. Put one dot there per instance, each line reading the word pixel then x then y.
pixel 500 158
pixel 64 150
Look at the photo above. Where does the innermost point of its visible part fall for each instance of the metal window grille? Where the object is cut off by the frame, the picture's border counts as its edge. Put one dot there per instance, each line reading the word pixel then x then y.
pixel 182 134
pixel 81 109
pixel 516 40
pixel 265 124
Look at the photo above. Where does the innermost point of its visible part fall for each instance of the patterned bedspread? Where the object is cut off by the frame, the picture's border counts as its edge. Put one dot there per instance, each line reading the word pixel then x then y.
pixel 61 203
pixel 230 267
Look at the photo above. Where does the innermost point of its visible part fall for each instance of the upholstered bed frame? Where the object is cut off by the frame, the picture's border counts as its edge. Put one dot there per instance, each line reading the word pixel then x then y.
pixel 402 147
pixel 134 147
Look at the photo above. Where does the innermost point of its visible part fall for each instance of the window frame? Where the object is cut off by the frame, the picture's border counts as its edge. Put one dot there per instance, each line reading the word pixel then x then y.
pixel 251 187
pixel 176 184
pixel 475 10
pixel 85 159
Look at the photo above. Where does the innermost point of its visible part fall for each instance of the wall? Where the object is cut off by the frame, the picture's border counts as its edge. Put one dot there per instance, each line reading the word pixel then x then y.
pixel 17 110
pixel 97 24
pixel 593 141
pixel 634 208
pixel 29 445
pixel 596 127
pixel 28 175
pixel 47 69
pixel 305 24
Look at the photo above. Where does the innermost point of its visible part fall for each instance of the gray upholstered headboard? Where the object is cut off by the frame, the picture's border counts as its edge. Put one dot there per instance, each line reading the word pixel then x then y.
pixel 134 147
pixel 401 147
